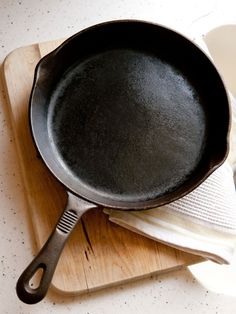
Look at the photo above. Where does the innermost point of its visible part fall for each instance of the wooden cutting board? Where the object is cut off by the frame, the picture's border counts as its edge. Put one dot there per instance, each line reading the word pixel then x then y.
pixel 99 253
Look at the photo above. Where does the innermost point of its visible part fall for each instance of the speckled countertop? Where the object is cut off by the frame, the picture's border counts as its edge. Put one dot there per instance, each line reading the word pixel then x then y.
pixel 25 22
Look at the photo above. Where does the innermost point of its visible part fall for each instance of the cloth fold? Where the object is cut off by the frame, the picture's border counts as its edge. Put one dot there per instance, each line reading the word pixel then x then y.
pixel 202 222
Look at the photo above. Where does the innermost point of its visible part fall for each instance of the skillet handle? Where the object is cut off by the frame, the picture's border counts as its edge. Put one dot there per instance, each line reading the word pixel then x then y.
pixel 47 259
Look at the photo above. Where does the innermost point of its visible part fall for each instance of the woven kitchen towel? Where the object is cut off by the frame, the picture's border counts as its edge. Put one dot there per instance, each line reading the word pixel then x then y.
pixel 202 222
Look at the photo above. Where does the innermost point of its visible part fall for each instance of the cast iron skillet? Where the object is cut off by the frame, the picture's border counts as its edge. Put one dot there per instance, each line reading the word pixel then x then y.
pixel 128 115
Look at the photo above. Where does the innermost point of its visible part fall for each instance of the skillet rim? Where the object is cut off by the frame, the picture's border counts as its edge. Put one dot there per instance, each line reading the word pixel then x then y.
pixel 130 205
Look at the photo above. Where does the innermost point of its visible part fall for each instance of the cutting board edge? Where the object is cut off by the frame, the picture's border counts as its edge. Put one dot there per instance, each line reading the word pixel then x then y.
pixel 30 222
pixel 121 282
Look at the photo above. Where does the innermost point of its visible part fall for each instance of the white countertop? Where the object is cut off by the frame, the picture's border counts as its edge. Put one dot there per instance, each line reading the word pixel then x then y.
pixel 26 22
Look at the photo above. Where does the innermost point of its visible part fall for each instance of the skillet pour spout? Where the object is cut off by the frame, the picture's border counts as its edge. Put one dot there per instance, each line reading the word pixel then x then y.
pixel 125 114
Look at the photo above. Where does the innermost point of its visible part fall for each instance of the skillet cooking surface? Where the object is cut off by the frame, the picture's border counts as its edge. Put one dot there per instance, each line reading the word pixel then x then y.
pixel 127 123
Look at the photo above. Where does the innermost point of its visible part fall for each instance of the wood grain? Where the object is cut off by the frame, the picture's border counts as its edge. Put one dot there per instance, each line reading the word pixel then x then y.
pixel 99 253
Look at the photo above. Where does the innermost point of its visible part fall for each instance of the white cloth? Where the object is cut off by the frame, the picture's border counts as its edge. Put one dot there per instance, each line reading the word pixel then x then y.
pixel 202 222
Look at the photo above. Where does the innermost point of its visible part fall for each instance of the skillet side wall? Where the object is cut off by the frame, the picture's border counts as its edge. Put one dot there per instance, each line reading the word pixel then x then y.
pixel 169 46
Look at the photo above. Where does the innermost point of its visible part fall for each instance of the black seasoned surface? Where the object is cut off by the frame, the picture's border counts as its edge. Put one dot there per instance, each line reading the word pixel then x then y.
pixel 128 124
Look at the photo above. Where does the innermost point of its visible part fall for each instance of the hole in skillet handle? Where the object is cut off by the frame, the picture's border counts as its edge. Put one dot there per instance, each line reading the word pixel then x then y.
pixel 25 285
pixel 34 282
